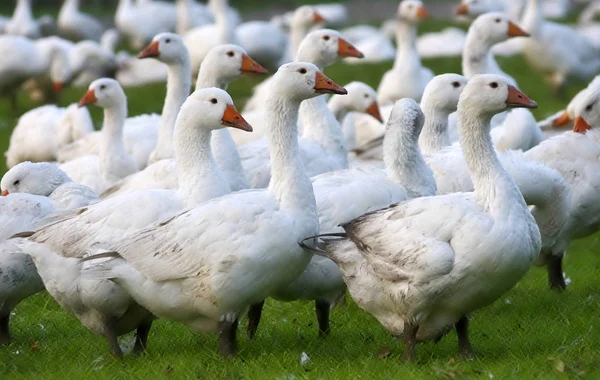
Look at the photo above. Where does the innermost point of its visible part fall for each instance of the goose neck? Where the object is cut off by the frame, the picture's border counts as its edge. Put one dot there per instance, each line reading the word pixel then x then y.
pixel 289 182
pixel 496 192
pixel 405 165
pixel 297 34
pixel 532 16
pixel 434 136
pixel 225 31
pixel 320 125
pixel 112 145
pixel 178 89
pixel 23 9
pixel 199 177
pixel 228 159
pixel 406 50
pixel 339 107
pixel 476 55
pixel 209 76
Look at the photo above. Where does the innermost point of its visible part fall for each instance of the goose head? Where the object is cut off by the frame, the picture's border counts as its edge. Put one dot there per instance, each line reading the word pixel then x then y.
pixel 443 92
pixel 406 120
pixel 230 61
pixel 487 94
pixel 474 8
pixel 412 11
pixel 40 178
pixel 324 47
pixel 587 113
pixel 306 17
pixel 299 81
pixel 495 27
pixel 211 109
pixel 568 115
pixel 166 47
pixel 104 93
pixel 361 98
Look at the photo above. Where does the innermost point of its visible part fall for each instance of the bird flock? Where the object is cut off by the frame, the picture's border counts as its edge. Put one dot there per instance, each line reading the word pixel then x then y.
pixel 426 199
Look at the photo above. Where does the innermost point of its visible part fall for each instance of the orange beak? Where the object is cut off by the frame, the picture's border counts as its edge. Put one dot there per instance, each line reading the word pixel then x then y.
pixel 422 13
pixel 517 99
pixel 251 66
pixel 151 51
pixel 57 87
pixel 373 110
pixel 562 120
pixel 515 31
pixel 324 85
pixel 346 49
pixel 232 118
pixel 462 10
pixel 581 126
pixel 88 98
pixel 4 193
pixel 317 17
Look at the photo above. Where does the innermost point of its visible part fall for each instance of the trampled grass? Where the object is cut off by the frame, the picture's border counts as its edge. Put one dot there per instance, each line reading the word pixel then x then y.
pixel 530 333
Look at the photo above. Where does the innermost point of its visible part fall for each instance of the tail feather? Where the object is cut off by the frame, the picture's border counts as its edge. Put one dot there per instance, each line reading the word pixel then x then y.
pixel 99 266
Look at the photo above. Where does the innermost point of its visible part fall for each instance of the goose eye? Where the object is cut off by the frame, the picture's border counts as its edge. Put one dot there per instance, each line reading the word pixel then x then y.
pixel 497 20
pixel 168 40
pixel 302 71
pixel 455 84
pixel 213 101
pixel 326 38
pixel 16 182
pixel 366 96
pixel 102 87
pixel 589 108
pixel 230 54
pixel 494 85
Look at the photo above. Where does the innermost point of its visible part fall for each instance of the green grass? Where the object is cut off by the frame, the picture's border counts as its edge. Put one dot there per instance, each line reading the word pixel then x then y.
pixel 529 333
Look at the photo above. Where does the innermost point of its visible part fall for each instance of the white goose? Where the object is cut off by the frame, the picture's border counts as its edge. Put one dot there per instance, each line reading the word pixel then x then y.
pixel 39 133
pixel 223 64
pixel 56 249
pixel 30 192
pixel 76 25
pixel 148 137
pixel 575 156
pixel 407 66
pixel 190 281
pixel 22 22
pixel 322 143
pixel 416 266
pixel 407 177
pixel 557 50
pixel 191 14
pixel 113 162
pixel 141 23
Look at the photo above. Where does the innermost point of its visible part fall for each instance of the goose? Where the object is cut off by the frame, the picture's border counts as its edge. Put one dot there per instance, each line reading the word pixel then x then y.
pixel 223 64
pixel 29 59
pixel 22 22
pixel 141 23
pixel 30 193
pixel 407 66
pixel 406 176
pixel 322 143
pixel 40 132
pixel 113 162
pixel 191 14
pixel 148 137
pixel 574 155
pixel 285 213
pixel 76 25
pixel 587 25
pixel 56 249
pixel 557 50
pixel 428 280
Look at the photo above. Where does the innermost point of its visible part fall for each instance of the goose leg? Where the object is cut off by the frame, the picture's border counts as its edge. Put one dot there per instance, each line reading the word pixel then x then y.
pixel 555 273
pixel 462 331
pixel 111 337
pixel 4 330
pixel 410 341
pixel 228 338
pixel 254 315
pixel 141 340
pixel 322 309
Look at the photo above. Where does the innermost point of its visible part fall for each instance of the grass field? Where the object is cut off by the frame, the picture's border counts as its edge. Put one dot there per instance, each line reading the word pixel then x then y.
pixel 529 333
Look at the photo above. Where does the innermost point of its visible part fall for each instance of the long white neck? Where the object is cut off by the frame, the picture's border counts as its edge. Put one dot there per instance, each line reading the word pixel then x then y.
pixel 434 136
pixel 404 163
pixel 23 10
pixel 532 17
pixel 320 125
pixel 406 37
pixel 297 34
pixel 112 146
pixel 225 31
pixel 179 81
pixel 224 148
pixel 477 57
pixel 199 177
pixel 496 192
pixel 289 182
pixel 70 6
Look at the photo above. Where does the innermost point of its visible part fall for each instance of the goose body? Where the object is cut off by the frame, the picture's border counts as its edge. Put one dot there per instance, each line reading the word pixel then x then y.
pixel 76 25
pixel 432 264
pixel 140 23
